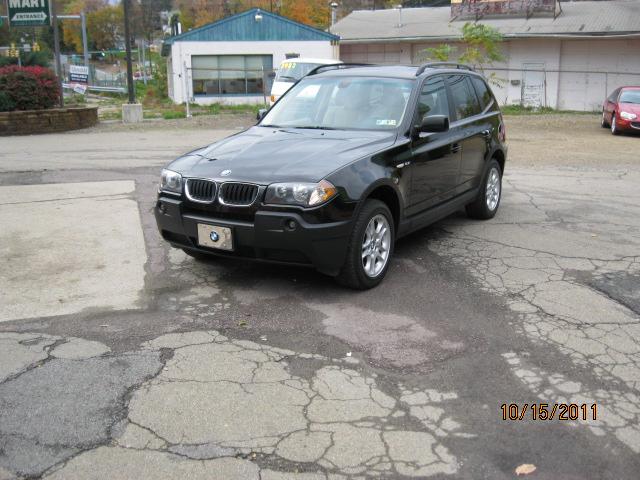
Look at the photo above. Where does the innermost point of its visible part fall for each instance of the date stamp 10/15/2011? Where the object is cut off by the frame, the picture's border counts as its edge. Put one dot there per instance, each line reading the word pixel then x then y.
pixel 549 411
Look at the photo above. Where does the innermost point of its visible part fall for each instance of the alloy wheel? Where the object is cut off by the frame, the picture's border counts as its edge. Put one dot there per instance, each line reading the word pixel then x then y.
pixel 376 246
pixel 492 192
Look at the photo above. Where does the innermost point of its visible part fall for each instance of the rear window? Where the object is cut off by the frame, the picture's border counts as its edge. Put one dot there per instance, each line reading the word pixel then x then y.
pixel 293 71
pixel 630 96
pixel 464 97
pixel 484 94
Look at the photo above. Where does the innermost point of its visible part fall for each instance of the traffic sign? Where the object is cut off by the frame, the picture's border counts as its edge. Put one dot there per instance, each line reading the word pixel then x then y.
pixel 29 13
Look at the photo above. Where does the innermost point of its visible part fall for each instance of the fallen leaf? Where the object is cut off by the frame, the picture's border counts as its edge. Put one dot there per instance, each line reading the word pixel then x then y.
pixel 525 469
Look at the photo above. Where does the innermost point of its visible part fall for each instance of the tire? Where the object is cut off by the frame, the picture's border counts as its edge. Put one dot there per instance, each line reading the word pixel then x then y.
pixel 483 208
pixel 614 125
pixel 354 274
pixel 199 256
pixel 603 122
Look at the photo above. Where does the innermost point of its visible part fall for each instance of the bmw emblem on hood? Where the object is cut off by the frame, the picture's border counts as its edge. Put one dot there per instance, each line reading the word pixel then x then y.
pixel 225 173
pixel 214 236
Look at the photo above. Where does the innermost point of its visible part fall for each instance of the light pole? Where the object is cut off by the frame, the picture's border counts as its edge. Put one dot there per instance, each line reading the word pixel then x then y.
pixel 56 48
pixel 127 46
pixel 334 8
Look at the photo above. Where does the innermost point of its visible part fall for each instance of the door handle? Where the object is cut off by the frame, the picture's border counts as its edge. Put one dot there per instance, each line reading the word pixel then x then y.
pixel 456 147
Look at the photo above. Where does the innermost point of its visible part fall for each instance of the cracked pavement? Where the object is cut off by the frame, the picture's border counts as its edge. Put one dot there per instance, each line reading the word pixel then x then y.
pixel 123 358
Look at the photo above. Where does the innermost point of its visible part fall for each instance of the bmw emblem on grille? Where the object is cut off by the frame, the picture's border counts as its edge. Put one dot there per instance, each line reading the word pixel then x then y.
pixel 214 236
pixel 225 173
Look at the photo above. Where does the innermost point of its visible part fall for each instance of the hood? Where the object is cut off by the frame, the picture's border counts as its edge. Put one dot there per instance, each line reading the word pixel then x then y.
pixel 630 107
pixel 265 155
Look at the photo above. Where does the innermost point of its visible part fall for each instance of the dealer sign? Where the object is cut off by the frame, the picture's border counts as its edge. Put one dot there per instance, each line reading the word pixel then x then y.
pixel 29 13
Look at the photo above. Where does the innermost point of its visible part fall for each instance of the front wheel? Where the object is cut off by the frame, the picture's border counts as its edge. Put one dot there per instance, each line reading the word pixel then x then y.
pixel 370 247
pixel 614 125
pixel 487 202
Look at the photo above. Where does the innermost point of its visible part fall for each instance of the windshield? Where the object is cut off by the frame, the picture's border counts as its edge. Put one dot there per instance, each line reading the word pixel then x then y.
pixel 345 103
pixel 293 71
pixel 630 96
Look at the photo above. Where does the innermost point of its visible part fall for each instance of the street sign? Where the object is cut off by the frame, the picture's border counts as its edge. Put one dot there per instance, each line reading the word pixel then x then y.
pixel 78 74
pixel 29 13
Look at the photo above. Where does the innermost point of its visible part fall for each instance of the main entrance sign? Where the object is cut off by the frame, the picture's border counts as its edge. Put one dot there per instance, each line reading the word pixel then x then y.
pixel 29 13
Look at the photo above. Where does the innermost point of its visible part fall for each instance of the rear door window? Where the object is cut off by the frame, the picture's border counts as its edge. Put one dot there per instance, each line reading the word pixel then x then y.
pixel 465 101
pixel 484 94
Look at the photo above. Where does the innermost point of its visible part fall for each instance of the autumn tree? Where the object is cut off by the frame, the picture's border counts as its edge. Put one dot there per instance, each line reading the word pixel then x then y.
pixel 106 26
pixel 195 13
pixel 146 17
pixel 72 29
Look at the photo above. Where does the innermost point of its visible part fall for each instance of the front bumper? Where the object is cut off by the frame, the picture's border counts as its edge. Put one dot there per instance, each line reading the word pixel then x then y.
pixel 266 237
pixel 628 125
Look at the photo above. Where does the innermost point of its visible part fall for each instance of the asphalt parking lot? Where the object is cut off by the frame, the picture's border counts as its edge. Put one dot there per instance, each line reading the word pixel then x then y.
pixel 123 358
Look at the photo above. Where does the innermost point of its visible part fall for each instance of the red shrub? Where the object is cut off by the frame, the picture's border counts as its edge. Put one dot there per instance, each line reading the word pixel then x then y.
pixel 27 88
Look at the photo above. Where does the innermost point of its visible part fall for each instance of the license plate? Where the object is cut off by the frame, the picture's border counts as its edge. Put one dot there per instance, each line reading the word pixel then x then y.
pixel 213 236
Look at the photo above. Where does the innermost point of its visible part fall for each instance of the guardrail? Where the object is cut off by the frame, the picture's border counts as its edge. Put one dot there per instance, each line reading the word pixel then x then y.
pixel 97 88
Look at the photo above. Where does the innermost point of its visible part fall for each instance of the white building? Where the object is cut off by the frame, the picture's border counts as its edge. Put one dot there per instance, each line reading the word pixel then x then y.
pixel 570 62
pixel 229 61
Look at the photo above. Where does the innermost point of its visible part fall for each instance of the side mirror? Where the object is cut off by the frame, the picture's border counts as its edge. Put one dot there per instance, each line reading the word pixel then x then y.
pixel 261 113
pixel 433 124
pixel 271 74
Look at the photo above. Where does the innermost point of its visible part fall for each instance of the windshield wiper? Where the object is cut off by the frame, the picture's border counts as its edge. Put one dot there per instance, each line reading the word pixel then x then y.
pixel 269 125
pixel 317 127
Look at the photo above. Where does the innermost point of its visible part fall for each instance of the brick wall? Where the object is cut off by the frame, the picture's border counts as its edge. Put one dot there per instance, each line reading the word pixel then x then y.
pixel 28 122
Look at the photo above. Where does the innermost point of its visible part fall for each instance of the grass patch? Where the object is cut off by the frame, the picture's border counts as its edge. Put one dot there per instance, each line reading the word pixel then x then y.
pixel 110 115
pixel 173 114
pixel 520 110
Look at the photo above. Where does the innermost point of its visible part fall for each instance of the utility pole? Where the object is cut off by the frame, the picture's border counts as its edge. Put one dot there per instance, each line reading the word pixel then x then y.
pixel 127 43
pixel 56 48
pixel 85 48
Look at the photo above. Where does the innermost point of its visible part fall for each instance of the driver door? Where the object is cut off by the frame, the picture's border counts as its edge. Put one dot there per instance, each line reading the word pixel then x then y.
pixel 436 157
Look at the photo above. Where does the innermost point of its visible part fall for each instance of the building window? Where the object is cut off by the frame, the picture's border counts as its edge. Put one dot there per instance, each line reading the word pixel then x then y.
pixel 230 74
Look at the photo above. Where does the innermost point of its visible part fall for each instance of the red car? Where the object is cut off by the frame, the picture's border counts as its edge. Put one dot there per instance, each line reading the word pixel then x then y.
pixel 621 111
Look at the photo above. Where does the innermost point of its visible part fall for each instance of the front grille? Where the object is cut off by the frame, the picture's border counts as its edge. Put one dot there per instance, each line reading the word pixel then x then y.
pixel 232 193
pixel 200 190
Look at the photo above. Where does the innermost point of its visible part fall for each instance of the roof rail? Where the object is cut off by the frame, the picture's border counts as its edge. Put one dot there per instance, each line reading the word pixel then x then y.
pixel 336 66
pixel 459 66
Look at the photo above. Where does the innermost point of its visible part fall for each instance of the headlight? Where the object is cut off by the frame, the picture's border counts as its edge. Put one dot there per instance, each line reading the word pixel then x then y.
pixel 628 116
pixel 304 194
pixel 170 182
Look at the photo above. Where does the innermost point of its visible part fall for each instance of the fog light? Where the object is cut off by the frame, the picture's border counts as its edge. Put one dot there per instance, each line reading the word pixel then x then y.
pixel 291 224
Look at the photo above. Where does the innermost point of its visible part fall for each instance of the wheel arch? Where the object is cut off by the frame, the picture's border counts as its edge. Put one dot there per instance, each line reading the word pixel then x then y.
pixel 387 194
pixel 500 158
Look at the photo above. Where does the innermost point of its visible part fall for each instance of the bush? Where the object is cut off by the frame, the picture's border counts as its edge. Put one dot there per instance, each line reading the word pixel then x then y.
pixel 27 88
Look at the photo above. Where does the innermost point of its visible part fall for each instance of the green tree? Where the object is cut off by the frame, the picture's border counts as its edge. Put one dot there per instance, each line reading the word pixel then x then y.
pixel 479 48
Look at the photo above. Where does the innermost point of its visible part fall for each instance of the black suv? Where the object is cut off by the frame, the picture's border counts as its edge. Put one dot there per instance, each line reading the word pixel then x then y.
pixel 350 159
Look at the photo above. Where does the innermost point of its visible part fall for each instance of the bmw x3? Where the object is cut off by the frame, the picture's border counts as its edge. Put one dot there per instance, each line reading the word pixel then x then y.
pixel 349 160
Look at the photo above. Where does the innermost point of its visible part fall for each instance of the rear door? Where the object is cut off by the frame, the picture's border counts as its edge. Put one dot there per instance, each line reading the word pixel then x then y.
pixel 436 156
pixel 473 129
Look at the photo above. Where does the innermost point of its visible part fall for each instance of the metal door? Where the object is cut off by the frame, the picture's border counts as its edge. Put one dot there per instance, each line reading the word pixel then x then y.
pixel 533 85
